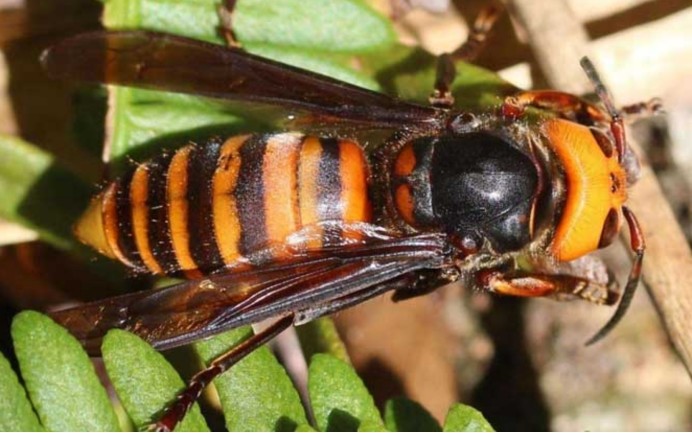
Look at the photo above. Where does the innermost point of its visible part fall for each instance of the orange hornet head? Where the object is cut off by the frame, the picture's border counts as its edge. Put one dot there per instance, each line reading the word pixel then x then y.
pixel 596 186
pixel 597 169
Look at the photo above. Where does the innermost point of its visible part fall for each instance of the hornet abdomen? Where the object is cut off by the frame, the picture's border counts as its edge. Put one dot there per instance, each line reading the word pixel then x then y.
pixel 229 203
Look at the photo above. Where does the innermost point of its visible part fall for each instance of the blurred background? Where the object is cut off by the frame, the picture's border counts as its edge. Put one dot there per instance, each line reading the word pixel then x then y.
pixel 523 364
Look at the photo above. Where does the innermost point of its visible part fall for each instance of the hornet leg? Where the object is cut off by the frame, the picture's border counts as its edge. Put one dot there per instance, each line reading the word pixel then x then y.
pixel 176 411
pixel 540 285
pixel 565 104
pixel 468 51
pixel 478 35
pixel 225 13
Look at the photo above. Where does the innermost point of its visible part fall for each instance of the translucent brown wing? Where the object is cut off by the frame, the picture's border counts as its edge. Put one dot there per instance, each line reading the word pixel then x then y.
pixel 191 310
pixel 177 64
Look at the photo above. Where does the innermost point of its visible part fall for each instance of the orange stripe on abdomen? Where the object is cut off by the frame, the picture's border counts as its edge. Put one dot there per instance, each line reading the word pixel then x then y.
pixel 110 222
pixel 280 166
pixel 176 190
pixel 354 183
pixel 226 223
pixel 308 191
pixel 140 217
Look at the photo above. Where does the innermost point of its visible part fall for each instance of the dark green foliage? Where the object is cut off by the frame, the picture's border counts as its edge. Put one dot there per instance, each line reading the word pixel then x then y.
pixel 340 401
pixel 465 418
pixel 256 395
pixel 17 414
pixel 402 414
pixel 144 380
pixel 59 377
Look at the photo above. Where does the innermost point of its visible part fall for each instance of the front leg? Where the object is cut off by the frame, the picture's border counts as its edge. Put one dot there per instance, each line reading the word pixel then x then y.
pixel 560 286
pixel 566 105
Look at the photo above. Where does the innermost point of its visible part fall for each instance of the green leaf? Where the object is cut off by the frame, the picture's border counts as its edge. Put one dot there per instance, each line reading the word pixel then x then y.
pixel 321 336
pixel 156 120
pixel 89 111
pixel 409 74
pixel 304 33
pixel 345 25
pixel 256 394
pixel 145 382
pixel 192 18
pixel 38 193
pixel 322 62
pixel 402 414
pixel 60 377
pixel 152 120
pixel 340 401
pixel 467 419
pixel 476 87
pixel 16 413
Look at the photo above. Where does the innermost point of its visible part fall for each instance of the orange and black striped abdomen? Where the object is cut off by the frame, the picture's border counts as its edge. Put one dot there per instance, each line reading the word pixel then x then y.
pixel 230 203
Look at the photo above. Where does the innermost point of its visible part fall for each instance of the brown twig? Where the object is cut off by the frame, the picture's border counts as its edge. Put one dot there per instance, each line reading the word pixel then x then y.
pixel 668 263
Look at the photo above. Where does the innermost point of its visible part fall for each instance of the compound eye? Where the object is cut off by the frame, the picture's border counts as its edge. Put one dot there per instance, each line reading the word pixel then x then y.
pixel 611 228
pixel 605 143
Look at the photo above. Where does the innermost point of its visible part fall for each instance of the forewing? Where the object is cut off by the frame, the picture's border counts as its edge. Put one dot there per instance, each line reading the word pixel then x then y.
pixel 174 312
pixel 191 310
pixel 172 63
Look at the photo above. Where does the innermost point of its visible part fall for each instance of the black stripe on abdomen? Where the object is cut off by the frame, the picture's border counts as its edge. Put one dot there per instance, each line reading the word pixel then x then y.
pixel 329 181
pixel 249 196
pixel 159 228
pixel 329 191
pixel 202 164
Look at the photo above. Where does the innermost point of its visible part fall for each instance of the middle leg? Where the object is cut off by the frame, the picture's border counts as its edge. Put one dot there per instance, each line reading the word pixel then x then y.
pixel 468 51
pixel 225 13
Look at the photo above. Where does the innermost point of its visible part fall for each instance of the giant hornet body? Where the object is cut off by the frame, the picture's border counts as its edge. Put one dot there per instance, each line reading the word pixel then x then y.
pixel 296 226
